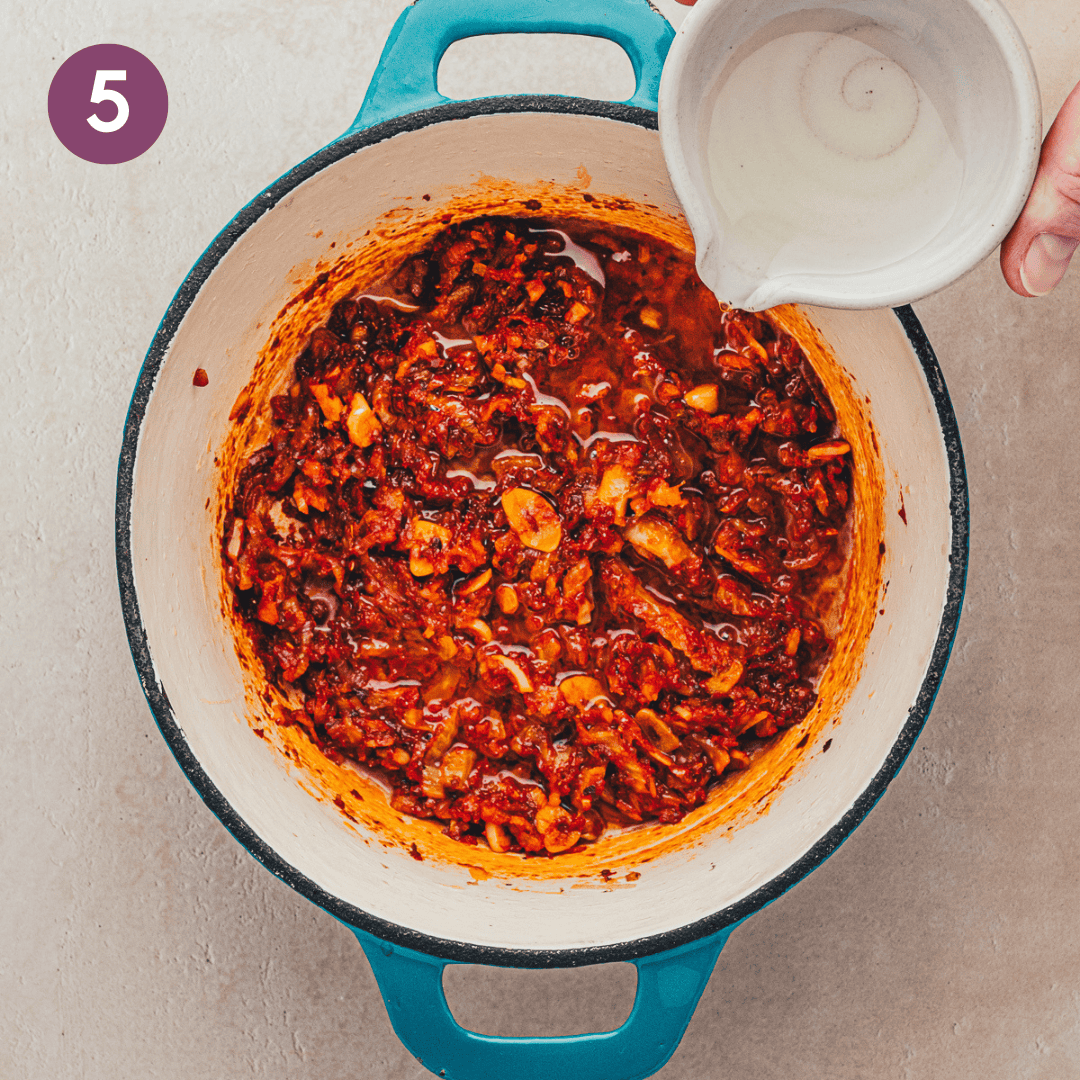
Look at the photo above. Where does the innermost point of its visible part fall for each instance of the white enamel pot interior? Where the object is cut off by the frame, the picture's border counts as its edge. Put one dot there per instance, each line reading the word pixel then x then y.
pixel 246 308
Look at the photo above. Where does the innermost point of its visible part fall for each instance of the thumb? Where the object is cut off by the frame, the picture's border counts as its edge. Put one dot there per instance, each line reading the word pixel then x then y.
pixel 1036 253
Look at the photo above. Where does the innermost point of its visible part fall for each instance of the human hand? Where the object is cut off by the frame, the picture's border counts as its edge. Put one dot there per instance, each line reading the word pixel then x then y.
pixel 1036 253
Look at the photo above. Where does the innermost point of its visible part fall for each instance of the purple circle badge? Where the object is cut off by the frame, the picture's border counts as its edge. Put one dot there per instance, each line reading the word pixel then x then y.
pixel 108 104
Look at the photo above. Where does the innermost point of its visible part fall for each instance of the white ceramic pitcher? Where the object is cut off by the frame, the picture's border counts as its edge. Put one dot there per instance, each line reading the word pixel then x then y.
pixel 969 59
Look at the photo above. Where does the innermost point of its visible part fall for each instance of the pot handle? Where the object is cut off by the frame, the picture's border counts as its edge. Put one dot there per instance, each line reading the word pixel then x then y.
pixel 406 79
pixel 668 989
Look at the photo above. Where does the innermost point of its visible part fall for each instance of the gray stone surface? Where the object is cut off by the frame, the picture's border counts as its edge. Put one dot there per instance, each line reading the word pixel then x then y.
pixel 138 940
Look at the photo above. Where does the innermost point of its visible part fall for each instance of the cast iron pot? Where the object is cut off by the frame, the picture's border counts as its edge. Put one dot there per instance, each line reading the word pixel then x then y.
pixel 665 899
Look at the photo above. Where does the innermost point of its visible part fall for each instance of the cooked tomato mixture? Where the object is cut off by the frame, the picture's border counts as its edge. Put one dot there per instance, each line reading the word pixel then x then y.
pixel 543 536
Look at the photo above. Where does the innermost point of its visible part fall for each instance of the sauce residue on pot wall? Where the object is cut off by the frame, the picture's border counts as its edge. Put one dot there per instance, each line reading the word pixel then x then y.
pixel 367 258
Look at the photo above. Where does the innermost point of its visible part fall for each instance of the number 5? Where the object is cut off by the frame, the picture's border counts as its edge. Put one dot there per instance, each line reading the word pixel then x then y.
pixel 102 93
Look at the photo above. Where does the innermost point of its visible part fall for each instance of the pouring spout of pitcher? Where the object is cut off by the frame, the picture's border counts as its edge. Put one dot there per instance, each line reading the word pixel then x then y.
pixel 738 278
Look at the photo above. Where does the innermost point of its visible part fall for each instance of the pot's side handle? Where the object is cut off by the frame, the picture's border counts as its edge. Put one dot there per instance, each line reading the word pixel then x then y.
pixel 669 986
pixel 406 79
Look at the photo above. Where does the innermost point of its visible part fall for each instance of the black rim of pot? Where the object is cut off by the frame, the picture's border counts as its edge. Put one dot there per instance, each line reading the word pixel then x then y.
pixel 157 697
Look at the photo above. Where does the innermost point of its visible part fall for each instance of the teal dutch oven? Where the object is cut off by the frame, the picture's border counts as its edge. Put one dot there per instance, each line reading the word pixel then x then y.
pixel 412 152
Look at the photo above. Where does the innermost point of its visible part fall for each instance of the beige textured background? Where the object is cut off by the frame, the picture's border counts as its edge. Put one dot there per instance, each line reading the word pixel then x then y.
pixel 138 940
